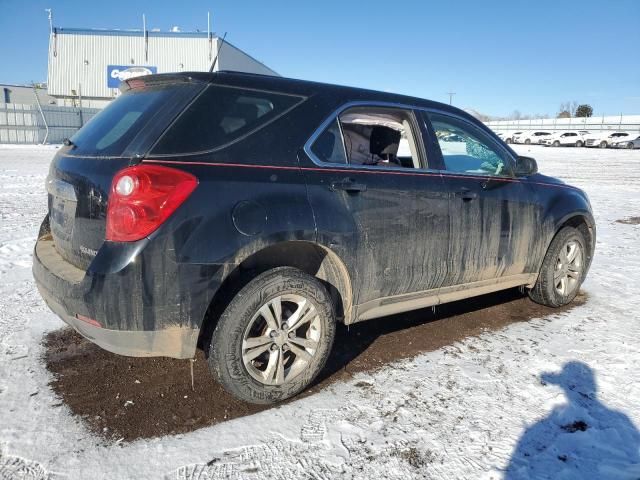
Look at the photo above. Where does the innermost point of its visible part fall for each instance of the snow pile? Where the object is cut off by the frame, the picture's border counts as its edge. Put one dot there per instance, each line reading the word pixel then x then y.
pixel 555 397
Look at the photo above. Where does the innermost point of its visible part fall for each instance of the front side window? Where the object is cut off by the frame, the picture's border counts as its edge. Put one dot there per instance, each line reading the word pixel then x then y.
pixel 221 115
pixel 466 149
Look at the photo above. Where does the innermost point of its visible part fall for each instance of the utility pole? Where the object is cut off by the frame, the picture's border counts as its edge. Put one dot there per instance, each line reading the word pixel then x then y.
pixel 451 94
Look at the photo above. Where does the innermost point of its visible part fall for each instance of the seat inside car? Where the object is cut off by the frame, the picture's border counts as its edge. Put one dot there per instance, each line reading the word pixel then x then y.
pixel 384 143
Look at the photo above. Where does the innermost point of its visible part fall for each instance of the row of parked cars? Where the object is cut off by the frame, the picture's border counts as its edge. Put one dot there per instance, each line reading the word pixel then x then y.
pixel 573 138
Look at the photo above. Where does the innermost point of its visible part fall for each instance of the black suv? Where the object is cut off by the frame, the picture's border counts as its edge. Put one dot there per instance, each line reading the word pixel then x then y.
pixel 248 214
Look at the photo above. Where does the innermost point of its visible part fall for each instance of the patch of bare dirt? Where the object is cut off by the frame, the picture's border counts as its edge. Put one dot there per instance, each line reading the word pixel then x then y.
pixel 129 398
pixel 629 221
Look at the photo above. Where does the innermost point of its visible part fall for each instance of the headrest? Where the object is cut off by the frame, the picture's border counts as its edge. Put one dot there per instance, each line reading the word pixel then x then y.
pixel 384 141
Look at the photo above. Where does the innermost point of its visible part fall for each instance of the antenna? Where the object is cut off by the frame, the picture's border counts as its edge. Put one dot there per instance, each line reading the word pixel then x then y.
pixel 209 32
pixel 146 37
pixel 215 60
pixel 48 10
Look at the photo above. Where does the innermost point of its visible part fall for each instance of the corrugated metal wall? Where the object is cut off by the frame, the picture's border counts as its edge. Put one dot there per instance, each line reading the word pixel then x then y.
pixel 24 123
pixel 78 59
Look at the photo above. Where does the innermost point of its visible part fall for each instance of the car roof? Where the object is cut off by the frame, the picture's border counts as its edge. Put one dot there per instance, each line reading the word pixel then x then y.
pixel 297 87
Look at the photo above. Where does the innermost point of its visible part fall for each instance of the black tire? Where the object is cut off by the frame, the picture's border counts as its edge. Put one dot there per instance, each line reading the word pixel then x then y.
pixel 630 145
pixel 556 143
pixel 508 141
pixel 527 142
pixel 544 291
pixel 579 143
pixel 225 352
pixel 603 144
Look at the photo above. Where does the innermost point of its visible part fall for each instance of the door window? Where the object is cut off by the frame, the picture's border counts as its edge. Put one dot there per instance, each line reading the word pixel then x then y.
pixel 370 136
pixel 328 147
pixel 466 149
pixel 380 137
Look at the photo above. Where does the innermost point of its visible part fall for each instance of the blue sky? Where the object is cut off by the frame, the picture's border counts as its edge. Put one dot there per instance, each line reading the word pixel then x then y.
pixel 497 56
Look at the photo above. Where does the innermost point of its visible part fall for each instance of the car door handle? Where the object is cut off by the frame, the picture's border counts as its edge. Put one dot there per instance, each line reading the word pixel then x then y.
pixel 466 195
pixel 348 185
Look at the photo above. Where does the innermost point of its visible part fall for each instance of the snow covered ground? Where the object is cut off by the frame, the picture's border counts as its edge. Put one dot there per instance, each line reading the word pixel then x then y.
pixel 555 397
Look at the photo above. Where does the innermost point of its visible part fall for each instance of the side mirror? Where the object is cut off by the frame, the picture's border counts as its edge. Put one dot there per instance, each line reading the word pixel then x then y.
pixel 525 166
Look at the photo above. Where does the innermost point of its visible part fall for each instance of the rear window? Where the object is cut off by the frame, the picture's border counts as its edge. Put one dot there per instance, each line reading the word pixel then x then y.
pixel 221 115
pixel 112 129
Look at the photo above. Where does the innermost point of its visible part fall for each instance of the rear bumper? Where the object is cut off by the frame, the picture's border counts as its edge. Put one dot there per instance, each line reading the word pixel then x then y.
pixel 176 342
pixel 147 308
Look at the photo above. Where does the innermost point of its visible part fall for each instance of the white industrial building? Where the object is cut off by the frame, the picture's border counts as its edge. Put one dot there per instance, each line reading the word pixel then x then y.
pixel 86 65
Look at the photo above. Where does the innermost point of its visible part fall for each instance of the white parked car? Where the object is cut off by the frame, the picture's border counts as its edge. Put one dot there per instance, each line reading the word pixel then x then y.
pixel 632 142
pixel 605 139
pixel 507 137
pixel 565 139
pixel 533 136
pixel 510 136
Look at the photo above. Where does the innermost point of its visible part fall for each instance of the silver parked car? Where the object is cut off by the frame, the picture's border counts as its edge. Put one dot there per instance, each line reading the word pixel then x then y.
pixel 629 143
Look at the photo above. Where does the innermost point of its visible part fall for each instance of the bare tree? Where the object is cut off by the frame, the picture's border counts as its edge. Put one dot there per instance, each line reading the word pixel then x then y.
pixel 573 107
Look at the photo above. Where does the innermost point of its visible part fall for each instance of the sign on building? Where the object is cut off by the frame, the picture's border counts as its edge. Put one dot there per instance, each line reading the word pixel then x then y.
pixel 119 73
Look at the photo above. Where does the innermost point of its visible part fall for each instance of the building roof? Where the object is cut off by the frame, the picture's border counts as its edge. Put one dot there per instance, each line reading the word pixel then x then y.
pixel 114 32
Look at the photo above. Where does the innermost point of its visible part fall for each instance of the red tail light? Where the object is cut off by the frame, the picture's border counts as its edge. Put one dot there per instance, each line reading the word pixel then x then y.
pixel 142 198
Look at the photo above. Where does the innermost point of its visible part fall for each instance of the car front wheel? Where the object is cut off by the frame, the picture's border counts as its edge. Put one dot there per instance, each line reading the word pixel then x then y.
pixel 603 144
pixel 579 143
pixel 562 270
pixel 556 143
pixel 274 337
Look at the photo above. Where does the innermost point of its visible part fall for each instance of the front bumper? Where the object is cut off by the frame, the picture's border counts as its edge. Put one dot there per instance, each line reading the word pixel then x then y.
pixel 150 307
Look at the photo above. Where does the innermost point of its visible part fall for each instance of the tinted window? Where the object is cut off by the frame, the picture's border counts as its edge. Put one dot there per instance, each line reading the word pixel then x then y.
pixel 328 147
pixel 466 149
pixel 111 130
pixel 221 115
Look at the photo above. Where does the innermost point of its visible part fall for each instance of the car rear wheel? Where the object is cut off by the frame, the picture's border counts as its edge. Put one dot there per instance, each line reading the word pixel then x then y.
pixel 274 337
pixel 508 140
pixel 603 145
pixel 556 143
pixel 630 145
pixel 562 271
pixel 579 143
pixel 527 141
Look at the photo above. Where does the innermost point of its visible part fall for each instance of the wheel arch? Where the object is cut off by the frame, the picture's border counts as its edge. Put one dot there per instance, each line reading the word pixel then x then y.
pixel 583 222
pixel 310 257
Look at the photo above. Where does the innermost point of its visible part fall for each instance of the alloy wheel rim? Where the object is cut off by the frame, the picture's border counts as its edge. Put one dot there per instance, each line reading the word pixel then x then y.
pixel 568 268
pixel 281 339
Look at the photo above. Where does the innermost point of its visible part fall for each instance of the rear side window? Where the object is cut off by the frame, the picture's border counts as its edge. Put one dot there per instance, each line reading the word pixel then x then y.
pixel 112 129
pixel 221 115
pixel 328 147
